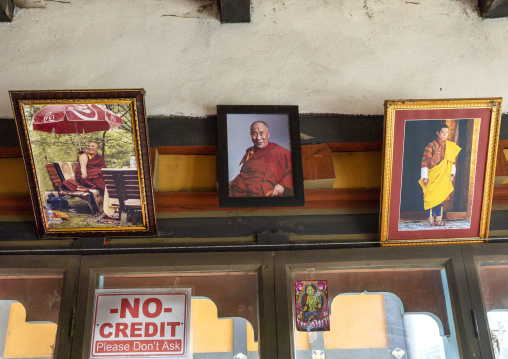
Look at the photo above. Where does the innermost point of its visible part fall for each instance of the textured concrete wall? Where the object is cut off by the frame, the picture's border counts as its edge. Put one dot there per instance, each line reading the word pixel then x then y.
pixel 335 56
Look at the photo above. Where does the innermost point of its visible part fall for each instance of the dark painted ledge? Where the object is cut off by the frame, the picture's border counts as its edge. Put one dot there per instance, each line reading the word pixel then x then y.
pixel 202 131
pixel 20 236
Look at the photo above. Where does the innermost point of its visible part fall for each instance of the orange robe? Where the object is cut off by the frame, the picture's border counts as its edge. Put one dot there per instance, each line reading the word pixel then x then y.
pixel 261 171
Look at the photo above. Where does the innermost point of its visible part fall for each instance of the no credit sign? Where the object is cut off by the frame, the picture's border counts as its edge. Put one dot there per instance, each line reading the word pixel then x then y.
pixel 141 323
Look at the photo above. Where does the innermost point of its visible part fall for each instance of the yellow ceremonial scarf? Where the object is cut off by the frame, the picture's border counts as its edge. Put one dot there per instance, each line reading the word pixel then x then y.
pixel 440 186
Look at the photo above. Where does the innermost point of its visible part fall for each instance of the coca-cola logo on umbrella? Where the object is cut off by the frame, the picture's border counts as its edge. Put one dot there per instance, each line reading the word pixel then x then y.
pixel 49 117
pixel 84 112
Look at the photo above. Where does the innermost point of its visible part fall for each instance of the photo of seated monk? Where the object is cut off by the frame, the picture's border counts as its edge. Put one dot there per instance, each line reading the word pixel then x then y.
pixel 266 167
pixel 88 173
pixel 86 160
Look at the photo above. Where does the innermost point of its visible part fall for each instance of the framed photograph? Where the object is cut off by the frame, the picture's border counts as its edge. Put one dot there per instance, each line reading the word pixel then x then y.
pixel 259 156
pixel 438 170
pixel 87 161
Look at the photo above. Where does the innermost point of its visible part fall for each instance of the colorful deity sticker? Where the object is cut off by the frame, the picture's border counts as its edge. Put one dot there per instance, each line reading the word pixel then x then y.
pixel 311 299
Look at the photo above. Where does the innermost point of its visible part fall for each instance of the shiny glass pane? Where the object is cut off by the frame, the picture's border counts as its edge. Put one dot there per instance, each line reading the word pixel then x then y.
pixel 495 295
pixel 424 336
pixel 29 311
pixel 377 313
pixel 224 309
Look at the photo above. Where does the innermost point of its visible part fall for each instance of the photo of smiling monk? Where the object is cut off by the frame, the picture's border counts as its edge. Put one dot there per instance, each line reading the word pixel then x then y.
pixel 266 169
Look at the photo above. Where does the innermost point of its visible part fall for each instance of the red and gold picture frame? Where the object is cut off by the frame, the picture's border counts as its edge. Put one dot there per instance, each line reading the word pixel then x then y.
pixel 438 170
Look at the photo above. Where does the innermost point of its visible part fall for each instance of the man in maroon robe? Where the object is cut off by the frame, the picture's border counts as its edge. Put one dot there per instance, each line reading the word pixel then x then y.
pixel 88 173
pixel 266 168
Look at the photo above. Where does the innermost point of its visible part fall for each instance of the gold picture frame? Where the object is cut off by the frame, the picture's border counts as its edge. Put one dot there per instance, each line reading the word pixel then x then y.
pixel 87 160
pixel 415 160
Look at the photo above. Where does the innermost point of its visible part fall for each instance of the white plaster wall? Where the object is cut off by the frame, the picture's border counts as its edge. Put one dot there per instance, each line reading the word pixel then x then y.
pixel 327 56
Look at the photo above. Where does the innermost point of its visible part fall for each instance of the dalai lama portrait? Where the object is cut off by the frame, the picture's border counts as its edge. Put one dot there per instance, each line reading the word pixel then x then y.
pixel 266 167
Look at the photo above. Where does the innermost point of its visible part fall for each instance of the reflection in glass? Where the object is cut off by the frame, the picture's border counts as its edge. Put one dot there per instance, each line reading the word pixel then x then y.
pixel 498 325
pixel 212 334
pixel 495 297
pixel 381 313
pixel 29 310
pixel 423 337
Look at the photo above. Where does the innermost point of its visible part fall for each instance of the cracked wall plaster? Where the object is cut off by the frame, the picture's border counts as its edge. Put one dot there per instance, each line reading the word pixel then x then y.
pixel 344 56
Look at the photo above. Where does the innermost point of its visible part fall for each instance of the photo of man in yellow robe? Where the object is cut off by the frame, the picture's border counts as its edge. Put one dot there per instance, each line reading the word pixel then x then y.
pixel 438 174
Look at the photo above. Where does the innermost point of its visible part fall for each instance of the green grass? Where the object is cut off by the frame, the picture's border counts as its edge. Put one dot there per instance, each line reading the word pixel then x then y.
pixel 78 213
pixel 76 221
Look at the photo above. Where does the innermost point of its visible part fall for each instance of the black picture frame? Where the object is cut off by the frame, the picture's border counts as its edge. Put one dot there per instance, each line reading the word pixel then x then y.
pixel 285 119
pixel 128 183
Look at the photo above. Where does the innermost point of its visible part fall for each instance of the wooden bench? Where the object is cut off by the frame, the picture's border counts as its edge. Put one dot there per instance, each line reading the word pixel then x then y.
pixel 57 177
pixel 123 184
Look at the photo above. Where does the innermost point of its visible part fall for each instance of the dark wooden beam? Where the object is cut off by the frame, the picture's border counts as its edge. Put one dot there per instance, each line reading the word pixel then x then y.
pixel 362 224
pixel 341 132
pixel 315 128
pixel 234 11
pixel 6 10
pixel 8 134
pixel 493 8
pixel 10 152
pixel 187 150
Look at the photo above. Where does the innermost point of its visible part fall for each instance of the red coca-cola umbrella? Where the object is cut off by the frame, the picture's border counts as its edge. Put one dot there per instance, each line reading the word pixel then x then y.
pixel 67 119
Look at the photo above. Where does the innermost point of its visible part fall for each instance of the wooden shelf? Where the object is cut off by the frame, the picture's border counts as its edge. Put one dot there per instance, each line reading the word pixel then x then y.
pixel 175 202
pixel 15 205
pixel 314 199
pixel 20 205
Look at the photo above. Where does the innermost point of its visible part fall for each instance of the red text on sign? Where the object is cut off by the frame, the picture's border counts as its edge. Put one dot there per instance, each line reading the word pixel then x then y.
pixel 133 308
pixel 137 330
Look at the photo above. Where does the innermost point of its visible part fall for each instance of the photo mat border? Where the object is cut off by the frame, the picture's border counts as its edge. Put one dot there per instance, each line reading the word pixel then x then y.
pixel 472 162
pixel 391 106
